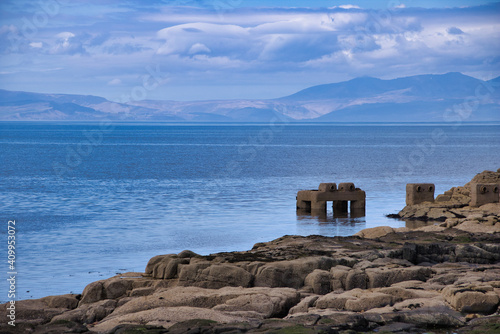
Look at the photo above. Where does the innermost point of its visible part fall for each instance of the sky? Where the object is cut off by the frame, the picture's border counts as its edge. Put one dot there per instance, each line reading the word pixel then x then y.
pixel 237 49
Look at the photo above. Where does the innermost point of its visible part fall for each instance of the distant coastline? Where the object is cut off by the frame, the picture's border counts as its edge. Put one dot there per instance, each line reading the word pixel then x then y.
pixel 444 98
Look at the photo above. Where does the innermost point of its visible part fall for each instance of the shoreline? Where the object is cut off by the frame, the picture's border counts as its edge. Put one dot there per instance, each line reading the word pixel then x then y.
pixel 437 277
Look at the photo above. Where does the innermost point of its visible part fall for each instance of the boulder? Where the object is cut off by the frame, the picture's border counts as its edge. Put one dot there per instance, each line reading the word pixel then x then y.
pixel 432 317
pixel 69 301
pixel 214 276
pixel 367 300
pixel 290 273
pixel 356 300
pixel 263 302
pixel 478 226
pixel 165 317
pixel 333 300
pixel 268 303
pixel 472 298
pixel 138 292
pixel 319 281
pixel 339 276
pixel 383 276
pixel 33 312
pixel 92 293
pixel 356 279
pixel 88 313
pixel 154 261
pixel 375 232
pixel 304 305
pixel 116 287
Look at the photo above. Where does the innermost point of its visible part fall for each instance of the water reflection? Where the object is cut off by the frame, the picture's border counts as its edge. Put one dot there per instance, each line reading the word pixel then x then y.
pixel 413 224
pixel 330 224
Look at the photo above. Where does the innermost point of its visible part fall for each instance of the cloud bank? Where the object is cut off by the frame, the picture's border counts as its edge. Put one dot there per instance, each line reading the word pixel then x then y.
pixel 236 52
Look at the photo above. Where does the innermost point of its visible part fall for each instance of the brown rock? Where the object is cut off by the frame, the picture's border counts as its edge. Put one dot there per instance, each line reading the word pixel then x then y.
pixel 264 302
pixel 138 292
pixel 154 261
pixel 356 279
pixel 356 300
pixel 290 273
pixel 339 276
pixel 92 293
pixel 472 299
pixel 69 301
pixel 304 305
pixel 88 313
pixel 375 232
pixel 165 316
pixel 214 276
pixel 383 277
pixel 116 287
pixel 319 281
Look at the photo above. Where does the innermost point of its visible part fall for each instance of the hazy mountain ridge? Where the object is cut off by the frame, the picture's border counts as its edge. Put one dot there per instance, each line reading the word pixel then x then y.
pixel 420 98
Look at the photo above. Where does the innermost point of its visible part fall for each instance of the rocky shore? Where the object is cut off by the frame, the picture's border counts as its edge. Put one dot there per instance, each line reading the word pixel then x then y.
pixel 440 278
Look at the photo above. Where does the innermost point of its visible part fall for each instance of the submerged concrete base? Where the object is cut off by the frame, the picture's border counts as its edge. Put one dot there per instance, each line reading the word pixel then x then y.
pixel 314 201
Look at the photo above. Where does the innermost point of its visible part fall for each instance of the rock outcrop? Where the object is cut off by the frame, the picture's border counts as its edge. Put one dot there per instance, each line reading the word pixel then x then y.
pixel 453 208
pixel 382 279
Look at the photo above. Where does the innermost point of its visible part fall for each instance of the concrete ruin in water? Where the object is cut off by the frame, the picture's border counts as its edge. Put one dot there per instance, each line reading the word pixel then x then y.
pixel 315 201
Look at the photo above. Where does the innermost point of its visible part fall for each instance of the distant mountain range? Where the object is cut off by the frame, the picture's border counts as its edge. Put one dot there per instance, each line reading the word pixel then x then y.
pixel 421 98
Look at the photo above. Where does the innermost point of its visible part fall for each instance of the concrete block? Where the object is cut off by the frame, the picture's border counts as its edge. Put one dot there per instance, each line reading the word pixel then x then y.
pixel 484 193
pixel 417 193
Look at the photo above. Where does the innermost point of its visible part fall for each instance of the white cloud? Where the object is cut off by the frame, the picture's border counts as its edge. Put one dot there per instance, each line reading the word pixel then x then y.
pixel 114 82
pixel 67 43
pixel 348 6
pixel 64 37
pixel 199 48
pixel 300 46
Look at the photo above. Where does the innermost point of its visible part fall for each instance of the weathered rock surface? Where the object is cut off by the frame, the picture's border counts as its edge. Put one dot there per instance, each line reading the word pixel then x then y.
pixel 453 208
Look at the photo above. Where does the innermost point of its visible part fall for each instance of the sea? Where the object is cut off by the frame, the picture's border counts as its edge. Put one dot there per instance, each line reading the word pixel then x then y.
pixel 92 200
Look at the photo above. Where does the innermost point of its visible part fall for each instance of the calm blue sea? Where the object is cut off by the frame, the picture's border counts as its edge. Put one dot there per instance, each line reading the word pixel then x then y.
pixel 92 200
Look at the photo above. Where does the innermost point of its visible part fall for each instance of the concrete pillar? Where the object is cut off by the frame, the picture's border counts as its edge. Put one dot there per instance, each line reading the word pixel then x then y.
pixel 318 206
pixel 358 208
pixel 339 207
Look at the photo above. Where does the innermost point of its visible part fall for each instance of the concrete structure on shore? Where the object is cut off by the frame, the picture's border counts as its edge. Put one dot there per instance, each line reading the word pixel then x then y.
pixel 314 201
pixel 417 193
pixel 480 193
pixel 484 193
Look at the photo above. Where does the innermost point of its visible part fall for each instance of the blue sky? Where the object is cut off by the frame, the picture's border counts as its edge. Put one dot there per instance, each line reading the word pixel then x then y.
pixel 231 49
